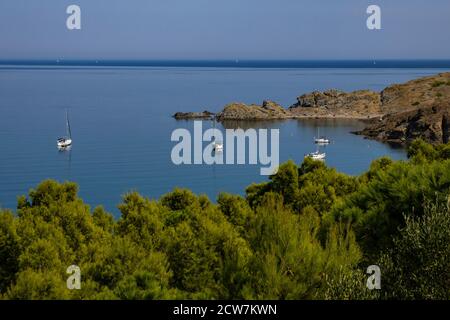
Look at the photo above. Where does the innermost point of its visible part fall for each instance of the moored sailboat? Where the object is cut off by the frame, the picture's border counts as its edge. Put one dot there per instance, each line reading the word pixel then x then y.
pixel 321 139
pixel 218 145
pixel 65 142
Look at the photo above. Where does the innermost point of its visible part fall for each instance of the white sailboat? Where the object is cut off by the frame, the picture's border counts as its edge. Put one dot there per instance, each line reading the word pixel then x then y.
pixel 65 142
pixel 218 145
pixel 321 139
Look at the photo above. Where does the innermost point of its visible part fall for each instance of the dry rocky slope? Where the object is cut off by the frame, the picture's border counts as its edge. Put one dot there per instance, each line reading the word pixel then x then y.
pixel 398 114
pixel 417 109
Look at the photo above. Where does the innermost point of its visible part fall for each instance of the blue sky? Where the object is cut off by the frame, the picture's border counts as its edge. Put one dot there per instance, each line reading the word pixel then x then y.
pixel 224 29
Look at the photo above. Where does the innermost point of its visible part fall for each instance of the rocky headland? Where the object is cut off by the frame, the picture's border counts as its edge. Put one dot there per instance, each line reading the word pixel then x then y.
pixel 417 109
pixel 398 114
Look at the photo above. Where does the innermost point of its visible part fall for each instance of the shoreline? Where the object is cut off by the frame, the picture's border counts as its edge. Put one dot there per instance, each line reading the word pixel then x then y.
pixel 297 117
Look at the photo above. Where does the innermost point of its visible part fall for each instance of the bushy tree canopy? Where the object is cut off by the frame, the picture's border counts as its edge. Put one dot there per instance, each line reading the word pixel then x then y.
pixel 307 233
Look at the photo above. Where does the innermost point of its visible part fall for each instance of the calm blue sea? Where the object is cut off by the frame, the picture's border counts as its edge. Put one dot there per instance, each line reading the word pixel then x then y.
pixel 121 124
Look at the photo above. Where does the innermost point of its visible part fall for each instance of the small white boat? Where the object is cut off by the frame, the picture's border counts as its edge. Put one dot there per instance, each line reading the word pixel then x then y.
pixel 316 155
pixel 321 139
pixel 218 147
pixel 65 142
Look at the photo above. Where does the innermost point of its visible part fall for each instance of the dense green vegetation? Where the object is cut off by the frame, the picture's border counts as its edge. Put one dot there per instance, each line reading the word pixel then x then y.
pixel 308 233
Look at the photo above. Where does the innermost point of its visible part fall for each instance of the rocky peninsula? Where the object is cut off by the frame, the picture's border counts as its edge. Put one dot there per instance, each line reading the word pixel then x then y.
pixel 397 114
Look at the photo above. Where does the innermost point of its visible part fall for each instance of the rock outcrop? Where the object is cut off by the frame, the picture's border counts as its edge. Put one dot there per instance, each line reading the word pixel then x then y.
pixel 269 110
pixel 193 115
pixel 428 123
pixel 338 104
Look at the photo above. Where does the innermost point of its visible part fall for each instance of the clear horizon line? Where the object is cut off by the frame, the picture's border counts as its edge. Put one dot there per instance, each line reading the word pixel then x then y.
pixel 230 63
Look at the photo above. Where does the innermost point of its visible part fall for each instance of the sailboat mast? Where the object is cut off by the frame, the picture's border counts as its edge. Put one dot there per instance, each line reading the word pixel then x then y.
pixel 214 127
pixel 69 132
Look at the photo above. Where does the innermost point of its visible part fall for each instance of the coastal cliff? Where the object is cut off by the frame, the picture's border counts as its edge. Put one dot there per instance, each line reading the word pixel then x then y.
pixel 429 123
pixel 417 109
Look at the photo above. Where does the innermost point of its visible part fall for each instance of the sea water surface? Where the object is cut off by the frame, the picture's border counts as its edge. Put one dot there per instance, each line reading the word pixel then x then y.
pixel 122 125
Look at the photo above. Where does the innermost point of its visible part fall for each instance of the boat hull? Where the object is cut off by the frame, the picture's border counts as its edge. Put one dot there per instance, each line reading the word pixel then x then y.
pixel 64 143
pixel 322 141
pixel 316 156
pixel 218 147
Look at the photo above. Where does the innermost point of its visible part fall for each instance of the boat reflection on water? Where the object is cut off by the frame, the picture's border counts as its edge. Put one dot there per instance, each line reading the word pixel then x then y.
pixel 65 149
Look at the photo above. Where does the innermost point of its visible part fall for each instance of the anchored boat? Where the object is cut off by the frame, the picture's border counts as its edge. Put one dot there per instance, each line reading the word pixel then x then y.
pixel 65 142
pixel 321 139
pixel 317 155
pixel 218 145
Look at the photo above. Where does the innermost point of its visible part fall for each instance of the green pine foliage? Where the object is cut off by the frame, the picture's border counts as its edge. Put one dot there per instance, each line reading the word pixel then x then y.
pixel 417 265
pixel 308 233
